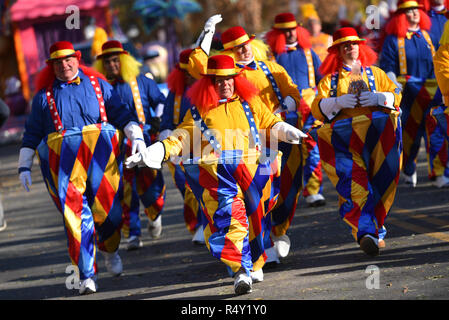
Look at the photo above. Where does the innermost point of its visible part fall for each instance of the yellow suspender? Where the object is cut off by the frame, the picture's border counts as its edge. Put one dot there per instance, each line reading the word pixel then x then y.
pixel 137 100
pixel 176 109
pixel 401 49
pixel 309 59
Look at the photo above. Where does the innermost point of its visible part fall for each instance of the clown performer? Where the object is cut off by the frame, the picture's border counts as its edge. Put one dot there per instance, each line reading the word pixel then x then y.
pixel 280 94
pixel 407 58
pixel 436 10
pixel 234 181
pixel 441 113
pixel 320 41
pixel 192 62
pixel 72 128
pixel 360 141
pixel 292 49
pixel 139 184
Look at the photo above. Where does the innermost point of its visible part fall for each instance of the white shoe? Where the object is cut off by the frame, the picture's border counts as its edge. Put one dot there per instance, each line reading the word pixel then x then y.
pixel 272 255
pixel 113 263
pixel 441 182
pixel 155 227
pixel 88 286
pixel 242 283
pixel 315 200
pixel 198 237
pixel 256 276
pixel 281 245
pixel 133 243
pixel 411 180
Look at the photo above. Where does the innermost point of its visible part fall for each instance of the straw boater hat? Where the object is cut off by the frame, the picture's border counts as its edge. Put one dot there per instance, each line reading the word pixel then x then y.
pixel 234 37
pixel 221 65
pixel 111 47
pixel 285 21
pixel 62 49
pixel 343 35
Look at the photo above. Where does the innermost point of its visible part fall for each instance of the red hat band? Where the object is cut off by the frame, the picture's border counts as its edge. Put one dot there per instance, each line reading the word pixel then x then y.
pixel 234 37
pixel 285 21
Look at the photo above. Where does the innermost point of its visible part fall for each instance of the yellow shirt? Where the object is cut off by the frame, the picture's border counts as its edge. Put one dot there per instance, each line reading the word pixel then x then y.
pixel 382 82
pixel 283 80
pixel 229 124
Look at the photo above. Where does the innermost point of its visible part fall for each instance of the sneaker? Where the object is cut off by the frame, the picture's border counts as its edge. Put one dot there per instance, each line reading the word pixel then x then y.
pixel 441 182
pixel 315 200
pixel 281 245
pixel 88 286
pixel 242 283
pixel 256 276
pixel 113 263
pixel 155 227
pixel 369 245
pixel 134 243
pixel 272 255
pixel 411 180
pixel 198 237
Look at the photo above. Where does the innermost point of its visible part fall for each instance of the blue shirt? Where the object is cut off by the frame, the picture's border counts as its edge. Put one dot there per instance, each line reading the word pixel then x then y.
pixel 418 56
pixel 77 106
pixel 295 62
pixel 437 28
pixel 150 95
pixel 168 114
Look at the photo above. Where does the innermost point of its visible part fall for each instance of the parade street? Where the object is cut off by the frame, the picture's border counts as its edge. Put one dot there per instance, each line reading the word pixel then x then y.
pixel 324 261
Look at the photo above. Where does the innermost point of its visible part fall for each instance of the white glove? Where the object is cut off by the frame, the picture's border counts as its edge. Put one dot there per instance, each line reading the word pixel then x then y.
pixel 288 133
pixel 151 157
pixel 164 134
pixel 134 133
pixel 330 107
pixel 290 103
pixel 25 179
pixel 205 39
pixel 383 99
pixel 393 78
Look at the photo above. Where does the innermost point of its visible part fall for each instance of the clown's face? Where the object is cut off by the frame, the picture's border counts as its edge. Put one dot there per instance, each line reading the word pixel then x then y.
pixel 349 52
pixel 243 52
pixel 224 86
pixel 291 36
pixel 413 16
pixel 111 64
pixel 65 69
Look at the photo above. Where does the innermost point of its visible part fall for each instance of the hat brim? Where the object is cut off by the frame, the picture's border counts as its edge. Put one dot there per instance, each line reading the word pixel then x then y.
pixel 420 6
pixel 75 54
pixel 343 42
pixel 102 55
pixel 221 75
pixel 251 38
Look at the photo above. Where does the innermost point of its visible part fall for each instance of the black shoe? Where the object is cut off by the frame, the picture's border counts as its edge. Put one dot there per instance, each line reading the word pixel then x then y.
pixel 369 246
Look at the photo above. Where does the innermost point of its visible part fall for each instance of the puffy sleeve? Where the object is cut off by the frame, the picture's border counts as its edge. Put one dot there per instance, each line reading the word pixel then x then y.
pixel 389 61
pixel 285 82
pixel 264 118
pixel 323 87
pixel 181 137
pixel 34 126
pixel 441 64
pixel 385 84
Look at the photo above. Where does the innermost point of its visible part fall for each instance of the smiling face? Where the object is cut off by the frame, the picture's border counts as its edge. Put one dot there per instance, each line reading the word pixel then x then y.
pixel 243 52
pixel 65 69
pixel 349 52
pixel 111 64
pixel 413 17
pixel 224 86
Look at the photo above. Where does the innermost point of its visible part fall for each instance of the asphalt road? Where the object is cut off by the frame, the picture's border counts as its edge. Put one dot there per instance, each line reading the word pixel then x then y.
pixel 324 262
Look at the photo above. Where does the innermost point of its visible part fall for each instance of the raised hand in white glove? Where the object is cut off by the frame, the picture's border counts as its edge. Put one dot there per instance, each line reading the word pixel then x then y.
pixel 152 157
pixel 288 133
pixel 211 22
pixel 25 179
pixel 205 39
pixel 164 134
pixel 138 145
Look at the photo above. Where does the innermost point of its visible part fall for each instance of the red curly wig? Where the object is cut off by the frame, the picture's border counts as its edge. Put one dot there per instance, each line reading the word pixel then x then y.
pixel 398 24
pixel 333 62
pixel 276 39
pixel 176 81
pixel 202 94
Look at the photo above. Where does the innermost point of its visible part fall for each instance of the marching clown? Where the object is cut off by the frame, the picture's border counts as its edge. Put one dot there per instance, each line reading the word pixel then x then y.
pixel 73 130
pixel 407 58
pixel 281 96
pixel 232 176
pixel 291 46
pixel 360 142
pixel 139 184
